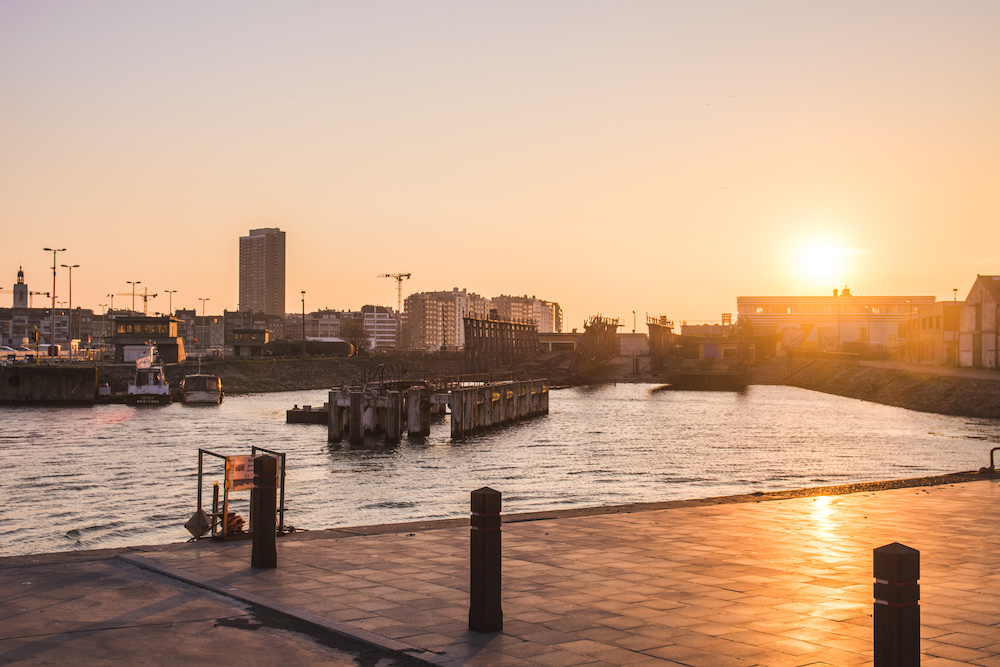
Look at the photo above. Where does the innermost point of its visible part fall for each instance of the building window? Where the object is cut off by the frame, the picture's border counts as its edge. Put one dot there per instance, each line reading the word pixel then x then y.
pixel 759 309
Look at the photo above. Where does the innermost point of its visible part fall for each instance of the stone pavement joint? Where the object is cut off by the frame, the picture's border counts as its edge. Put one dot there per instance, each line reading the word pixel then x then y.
pixel 783 582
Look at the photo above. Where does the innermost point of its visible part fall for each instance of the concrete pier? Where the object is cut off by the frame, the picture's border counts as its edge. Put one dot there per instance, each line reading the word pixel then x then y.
pixel 473 407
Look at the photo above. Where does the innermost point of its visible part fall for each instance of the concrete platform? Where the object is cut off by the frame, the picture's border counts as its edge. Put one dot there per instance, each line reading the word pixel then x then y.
pixel 772 582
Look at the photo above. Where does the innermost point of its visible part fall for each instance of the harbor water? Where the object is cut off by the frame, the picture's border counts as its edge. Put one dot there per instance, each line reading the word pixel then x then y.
pixel 114 475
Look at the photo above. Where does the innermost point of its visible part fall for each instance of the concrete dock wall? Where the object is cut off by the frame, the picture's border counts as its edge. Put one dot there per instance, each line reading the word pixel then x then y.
pixel 48 384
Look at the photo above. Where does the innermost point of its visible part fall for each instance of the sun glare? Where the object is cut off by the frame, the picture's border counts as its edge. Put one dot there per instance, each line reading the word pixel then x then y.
pixel 822 264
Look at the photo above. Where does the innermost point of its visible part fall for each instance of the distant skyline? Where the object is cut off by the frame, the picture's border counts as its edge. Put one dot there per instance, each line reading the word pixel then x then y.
pixel 657 157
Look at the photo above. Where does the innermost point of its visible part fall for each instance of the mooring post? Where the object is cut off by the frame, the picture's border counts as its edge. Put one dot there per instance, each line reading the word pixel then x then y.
pixel 357 418
pixel 263 512
pixel 485 613
pixel 393 417
pixel 896 621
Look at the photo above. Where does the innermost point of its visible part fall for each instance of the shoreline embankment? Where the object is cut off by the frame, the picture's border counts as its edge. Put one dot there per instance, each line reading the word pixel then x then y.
pixel 912 388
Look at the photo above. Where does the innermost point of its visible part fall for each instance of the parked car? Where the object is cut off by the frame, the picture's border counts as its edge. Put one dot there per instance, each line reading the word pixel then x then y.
pixel 8 353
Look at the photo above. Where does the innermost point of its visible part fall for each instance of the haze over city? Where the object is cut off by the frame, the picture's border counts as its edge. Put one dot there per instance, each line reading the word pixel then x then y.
pixel 651 156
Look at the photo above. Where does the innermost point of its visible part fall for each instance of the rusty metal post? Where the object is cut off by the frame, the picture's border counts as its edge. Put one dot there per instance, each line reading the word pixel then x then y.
pixel 263 512
pixel 897 607
pixel 485 614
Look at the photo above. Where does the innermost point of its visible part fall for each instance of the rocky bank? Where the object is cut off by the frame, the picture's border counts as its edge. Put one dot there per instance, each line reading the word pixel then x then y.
pixel 910 389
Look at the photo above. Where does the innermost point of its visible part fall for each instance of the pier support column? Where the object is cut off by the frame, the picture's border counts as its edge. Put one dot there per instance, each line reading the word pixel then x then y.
pixel 896 618
pixel 413 400
pixel 393 417
pixel 334 419
pixel 485 612
pixel 457 404
pixel 545 397
pixel 503 402
pixel 469 411
pixel 357 419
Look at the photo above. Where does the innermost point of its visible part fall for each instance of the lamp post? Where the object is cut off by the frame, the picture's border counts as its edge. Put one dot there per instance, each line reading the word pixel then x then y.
pixel 202 316
pixel 52 340
pixel 133 283
pixel 170 293
pixel 303 324
pixel 69 318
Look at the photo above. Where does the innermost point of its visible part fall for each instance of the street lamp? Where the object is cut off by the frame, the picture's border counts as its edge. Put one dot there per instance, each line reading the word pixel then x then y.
pixel 52 340
pixel 202 315
pixel 303 324
pixel 170 293
pixel 69 318
pixel 133 283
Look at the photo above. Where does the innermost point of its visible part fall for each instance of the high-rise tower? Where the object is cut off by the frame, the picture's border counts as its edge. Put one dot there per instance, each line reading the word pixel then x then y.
pixel 262 271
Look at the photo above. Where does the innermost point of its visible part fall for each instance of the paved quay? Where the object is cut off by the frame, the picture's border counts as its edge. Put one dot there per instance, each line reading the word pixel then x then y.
pixel 774 583
pixel 769 582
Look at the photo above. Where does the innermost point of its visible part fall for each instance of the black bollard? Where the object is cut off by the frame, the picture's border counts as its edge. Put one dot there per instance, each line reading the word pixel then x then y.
pixel 264 513
pixel 485 614
pixel 897 608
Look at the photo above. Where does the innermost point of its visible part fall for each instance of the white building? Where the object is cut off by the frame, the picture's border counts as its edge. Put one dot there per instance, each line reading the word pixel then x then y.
pixel 979 325
pixel 546 315
pixel 435 320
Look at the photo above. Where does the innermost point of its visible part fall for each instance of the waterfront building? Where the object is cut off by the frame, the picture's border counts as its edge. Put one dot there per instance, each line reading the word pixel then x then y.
pixel 241 320
pixel 979 326
pixel 844 321
pixel 435 320
pixel 262 271
pixel 933 334
pixel 382 326
pixel 546 315
pixel 143 330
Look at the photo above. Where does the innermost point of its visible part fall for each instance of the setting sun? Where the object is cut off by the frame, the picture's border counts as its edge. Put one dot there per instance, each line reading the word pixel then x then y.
pixel 823 264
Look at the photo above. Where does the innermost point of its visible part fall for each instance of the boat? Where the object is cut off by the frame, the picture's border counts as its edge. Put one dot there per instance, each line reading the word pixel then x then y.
pixel 148 387
pixel 201 389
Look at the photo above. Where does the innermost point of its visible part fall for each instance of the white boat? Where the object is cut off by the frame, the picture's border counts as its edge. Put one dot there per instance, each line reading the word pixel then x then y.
pixel 148 387
pixel 201 388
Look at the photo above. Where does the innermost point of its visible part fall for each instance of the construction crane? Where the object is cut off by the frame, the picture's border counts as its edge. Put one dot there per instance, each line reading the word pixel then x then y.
pixel 31 296
pixel 400 277
pixel 145 296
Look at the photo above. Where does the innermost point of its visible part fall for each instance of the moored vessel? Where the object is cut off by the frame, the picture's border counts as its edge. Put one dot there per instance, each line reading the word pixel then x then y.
pixel 201 389
pixel 148 387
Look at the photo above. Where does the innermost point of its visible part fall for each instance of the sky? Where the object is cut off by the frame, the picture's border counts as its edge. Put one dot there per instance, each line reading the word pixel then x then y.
pixel 658 157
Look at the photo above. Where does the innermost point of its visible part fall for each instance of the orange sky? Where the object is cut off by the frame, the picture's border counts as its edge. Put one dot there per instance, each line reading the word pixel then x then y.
pixel 661 157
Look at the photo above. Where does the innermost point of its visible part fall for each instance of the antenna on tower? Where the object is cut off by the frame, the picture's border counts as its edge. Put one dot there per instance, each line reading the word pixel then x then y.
pixel 400 277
